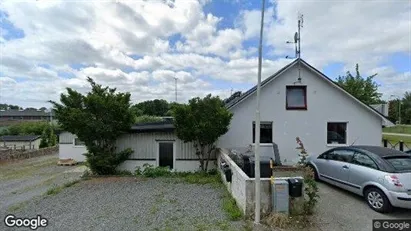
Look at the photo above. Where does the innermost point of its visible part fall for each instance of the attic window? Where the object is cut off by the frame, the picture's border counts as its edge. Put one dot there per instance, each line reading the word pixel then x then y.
pixel 296 97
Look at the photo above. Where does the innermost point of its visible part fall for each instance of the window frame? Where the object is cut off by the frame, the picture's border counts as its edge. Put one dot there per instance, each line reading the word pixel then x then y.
pixel 346 134
pixel 364 154
pixel 304 87
pixel 253 131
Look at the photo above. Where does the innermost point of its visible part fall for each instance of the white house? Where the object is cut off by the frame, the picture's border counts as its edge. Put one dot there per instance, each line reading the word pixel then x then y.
pixel 300 101
pixel 152 143
pixel 297 101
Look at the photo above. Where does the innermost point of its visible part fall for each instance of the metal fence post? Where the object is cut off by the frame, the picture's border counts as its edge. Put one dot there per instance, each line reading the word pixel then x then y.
pixel 401 145
pixel 385 143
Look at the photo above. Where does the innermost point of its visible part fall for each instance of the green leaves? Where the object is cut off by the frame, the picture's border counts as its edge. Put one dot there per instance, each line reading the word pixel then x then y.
pixel 97 119
pixel 365 90
pixel 202 121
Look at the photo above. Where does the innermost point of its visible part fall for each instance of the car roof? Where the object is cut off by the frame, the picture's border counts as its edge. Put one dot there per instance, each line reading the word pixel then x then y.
pixel 380 151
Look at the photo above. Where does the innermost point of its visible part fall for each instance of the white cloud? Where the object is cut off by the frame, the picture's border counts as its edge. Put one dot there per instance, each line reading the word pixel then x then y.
pixel 104 36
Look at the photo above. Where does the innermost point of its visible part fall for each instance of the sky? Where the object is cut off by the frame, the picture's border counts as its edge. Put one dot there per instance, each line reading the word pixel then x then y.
pixel 209 46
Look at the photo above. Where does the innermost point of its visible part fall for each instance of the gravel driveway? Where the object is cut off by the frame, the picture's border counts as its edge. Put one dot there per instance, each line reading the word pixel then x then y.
pixel 128 203
pixel 22 180
pixel 341 210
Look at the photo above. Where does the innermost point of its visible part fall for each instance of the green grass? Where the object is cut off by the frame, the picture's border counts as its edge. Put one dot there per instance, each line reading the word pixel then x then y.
pixel 230 207
pixel 57 189
pixel 17 207
pixel 398 129
pixel 395 139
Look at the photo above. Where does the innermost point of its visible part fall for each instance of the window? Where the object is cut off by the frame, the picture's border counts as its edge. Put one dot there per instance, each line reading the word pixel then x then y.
pixel 336 133
pixel 342 155
pixel 266 132
pixel 78 142
pixel 364 160
pixel 401 164
pixel 296 97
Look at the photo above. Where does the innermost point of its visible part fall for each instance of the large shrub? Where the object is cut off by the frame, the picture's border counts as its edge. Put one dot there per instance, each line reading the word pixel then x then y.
pixel 98 119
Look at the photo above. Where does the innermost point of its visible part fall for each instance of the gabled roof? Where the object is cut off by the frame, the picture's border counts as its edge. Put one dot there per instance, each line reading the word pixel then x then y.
pixel 19 138
pixel 319 73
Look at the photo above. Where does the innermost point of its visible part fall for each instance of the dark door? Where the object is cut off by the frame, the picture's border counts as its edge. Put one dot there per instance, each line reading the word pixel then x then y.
pixel 165 154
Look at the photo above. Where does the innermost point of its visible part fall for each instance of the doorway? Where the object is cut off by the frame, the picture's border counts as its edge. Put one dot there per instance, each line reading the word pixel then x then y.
pixel 165 157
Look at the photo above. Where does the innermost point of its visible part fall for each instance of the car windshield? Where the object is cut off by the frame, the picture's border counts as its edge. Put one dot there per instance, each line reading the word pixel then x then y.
pixel 400 163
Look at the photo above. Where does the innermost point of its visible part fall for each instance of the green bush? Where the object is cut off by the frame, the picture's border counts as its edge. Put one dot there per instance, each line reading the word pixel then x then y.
pixel 151 171
pixel 105 163
pixel 30 128
pixel 147 119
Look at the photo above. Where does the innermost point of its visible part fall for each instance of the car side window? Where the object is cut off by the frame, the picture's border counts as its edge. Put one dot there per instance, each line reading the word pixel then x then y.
pixel 324 156
pixel 342 155
pixel 364 160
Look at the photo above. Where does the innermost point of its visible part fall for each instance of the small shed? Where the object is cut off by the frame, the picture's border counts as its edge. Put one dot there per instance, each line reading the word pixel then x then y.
pixel 21 142
pixel 71 147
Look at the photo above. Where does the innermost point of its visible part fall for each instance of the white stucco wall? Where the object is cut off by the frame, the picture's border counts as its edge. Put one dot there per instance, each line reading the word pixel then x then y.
pixel 67 149
pixel 325 103
pixel 242 188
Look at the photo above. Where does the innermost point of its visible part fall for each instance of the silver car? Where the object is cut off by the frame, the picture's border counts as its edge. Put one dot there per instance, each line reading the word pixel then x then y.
pixel 381 175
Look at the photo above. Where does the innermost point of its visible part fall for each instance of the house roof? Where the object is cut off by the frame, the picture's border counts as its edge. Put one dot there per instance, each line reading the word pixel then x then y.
pixel 19 138
pixel 248 93
pixel 27 112
pixel 161 126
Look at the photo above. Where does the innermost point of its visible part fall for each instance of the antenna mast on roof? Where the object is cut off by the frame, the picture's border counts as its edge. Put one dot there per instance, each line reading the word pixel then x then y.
pixel 297 44
pixel 297 38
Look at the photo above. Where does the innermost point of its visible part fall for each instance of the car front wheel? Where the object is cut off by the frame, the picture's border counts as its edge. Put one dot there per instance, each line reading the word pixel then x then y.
pixel 377 200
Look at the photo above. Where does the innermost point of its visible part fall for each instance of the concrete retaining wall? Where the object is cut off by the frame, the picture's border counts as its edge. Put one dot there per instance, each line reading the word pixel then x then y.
pixel 242 187
pixel 10 154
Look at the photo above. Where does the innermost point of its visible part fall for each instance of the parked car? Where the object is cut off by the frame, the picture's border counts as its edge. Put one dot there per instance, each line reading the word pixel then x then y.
pixel 381 175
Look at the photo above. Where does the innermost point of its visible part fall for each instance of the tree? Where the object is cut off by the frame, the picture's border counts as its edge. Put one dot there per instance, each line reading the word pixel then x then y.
pixel 157 107
pixel 406 108
pixel 44 139
pixel 393 109
pixel 8 106
pixel 202 121
pixel 52 138
pixel 365 90
pixel 98 119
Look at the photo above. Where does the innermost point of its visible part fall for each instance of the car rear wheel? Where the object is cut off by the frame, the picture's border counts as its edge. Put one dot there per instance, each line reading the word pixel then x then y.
pixel 377 200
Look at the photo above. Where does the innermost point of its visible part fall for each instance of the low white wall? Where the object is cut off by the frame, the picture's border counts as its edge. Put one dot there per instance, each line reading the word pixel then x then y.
pixel 242 187
pixel 69 151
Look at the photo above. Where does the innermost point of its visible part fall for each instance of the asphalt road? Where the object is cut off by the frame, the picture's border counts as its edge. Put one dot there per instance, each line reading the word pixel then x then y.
pixel 341 210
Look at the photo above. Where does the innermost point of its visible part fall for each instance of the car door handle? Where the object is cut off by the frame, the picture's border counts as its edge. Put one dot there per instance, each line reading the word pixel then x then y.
pixel 345 167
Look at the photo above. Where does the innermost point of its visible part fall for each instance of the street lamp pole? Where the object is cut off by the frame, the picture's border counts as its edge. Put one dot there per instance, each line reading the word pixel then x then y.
pixel 399 108
pixel 257 126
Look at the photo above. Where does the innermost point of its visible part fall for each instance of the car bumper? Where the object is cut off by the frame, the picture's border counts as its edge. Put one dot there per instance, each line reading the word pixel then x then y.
pixel 400 200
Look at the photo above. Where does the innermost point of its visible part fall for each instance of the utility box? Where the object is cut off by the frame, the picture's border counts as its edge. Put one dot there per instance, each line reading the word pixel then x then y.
pixel 280 199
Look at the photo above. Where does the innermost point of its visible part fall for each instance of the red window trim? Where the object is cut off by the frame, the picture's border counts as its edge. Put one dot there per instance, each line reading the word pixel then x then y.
pixel 305 97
